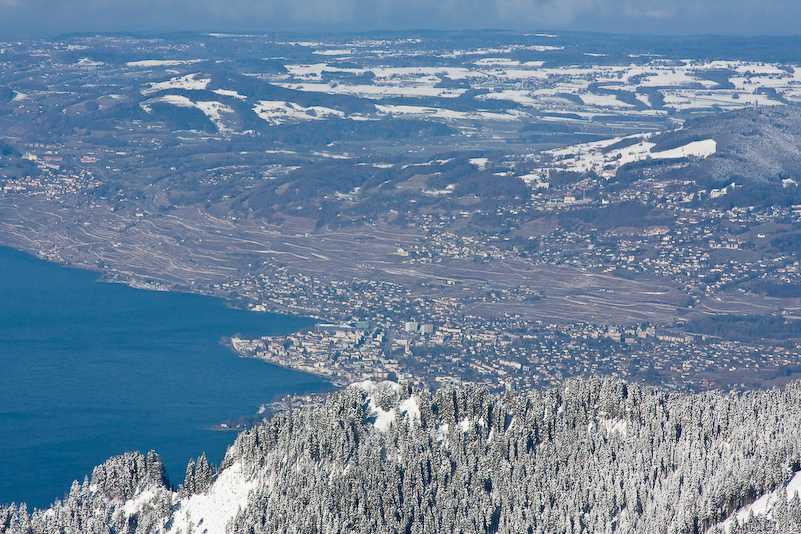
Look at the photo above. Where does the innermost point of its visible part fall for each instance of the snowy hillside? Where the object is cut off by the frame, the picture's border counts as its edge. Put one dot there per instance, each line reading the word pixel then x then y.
pixel 591 456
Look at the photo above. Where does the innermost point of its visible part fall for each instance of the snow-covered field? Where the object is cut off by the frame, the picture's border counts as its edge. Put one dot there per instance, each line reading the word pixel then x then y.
pixel 279 112
pixel 188 82
pixel 684 87
pixel 504 87
pixel 597 158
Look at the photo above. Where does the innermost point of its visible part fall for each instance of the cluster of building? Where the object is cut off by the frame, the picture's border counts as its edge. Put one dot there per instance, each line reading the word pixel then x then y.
pixel 49 179
pixel 512 353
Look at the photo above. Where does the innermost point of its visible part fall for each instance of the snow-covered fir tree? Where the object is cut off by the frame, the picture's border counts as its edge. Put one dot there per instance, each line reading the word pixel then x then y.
pixel 594 455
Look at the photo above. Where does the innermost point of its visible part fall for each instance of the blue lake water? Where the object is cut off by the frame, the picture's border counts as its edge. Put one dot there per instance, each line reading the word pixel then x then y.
pixel 90 370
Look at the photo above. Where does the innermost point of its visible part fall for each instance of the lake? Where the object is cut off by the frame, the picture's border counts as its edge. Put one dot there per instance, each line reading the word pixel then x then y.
pixel 90 370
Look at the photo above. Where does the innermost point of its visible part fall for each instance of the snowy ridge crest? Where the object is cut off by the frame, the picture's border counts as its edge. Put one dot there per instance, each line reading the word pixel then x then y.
pixel 593 455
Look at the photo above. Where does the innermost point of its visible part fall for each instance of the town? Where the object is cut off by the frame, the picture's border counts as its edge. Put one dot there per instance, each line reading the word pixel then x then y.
pixel 502 216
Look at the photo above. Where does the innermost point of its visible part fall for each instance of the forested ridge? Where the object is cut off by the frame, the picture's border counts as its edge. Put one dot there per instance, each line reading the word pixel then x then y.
pixel 593 455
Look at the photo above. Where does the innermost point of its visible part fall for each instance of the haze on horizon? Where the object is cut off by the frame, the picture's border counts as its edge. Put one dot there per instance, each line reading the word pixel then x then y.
pixel 47 18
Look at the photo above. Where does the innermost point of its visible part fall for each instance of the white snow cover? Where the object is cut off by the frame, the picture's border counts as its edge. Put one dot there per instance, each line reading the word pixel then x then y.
pixel 684 99
pixel 226 92
pixel 604 101
pixel 683 85
pixel 279 112
pixel 481 163
pixel 497 61
pixel 383 418
pixel 409 408
pixel 464 425
pixel 175 100
pixel 764 505
pixel 214 111
pixel 190 82
pixel 412 73
pixel 700 149
pixel 441 113
pixel 336 52
pixel 209 512
pixel 375 91
pixel 134 505
pixel 86 62
pixel 442 432
pixel 161 62
pixel 589 156
pixel 615 426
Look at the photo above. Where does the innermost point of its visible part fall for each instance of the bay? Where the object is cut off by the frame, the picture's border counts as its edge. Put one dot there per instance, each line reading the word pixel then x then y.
pixel 89 370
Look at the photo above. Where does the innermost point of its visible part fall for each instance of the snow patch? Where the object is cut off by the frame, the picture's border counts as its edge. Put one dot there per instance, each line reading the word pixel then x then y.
pixel 380 418
pixel 209 513
pixel 442 113
pixel 603 101
pixel 480 163
pixel 86 62
pixel 383 419
pixel 214 111
pixel 279 112
pixel 715 193
pixel 411 408
pixel 442 432
pixel 368 386
pixel 135 505
pixel 161 62
pixel 593 157
pixel 190 82
pixel 764 505
pixel 335 52
pixel 226 92
pixel 464 425
pixel 376 91
pixel 699 149
pixel 175 100
pixel 612 426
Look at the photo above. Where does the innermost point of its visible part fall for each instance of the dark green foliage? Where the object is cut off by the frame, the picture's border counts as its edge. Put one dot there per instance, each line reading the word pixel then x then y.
pixel 258 89
pixel 746 327
pixel 764 194
pixel 6 94
pixel 772 288
pixel 321 133
pixel 8 150
pixel 627 97
pixel 719 76
pixel 182 118
pixel 789 243
pixel 629 213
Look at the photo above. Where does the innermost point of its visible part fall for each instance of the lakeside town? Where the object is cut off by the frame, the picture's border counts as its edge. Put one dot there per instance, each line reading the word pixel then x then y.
pixel 512 354
pixel 498 216
pixel 380 329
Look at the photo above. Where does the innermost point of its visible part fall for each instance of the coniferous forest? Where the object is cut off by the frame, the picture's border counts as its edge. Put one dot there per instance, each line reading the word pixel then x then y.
pixel 593 455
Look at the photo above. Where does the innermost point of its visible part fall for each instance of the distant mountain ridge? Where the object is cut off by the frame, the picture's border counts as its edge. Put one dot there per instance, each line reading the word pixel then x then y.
pixel 762 144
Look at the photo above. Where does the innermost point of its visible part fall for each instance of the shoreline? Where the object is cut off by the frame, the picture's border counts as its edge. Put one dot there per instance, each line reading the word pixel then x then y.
pixel 337 383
